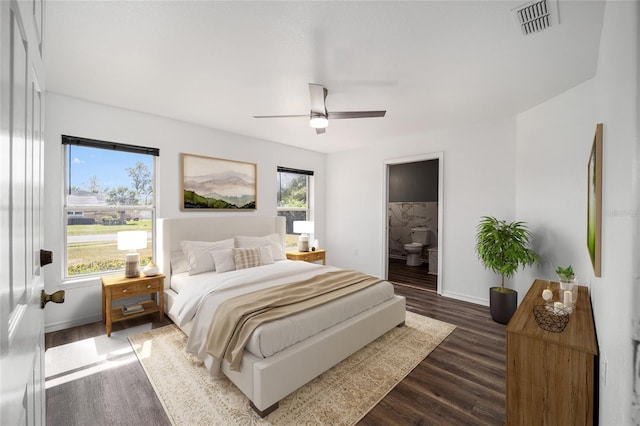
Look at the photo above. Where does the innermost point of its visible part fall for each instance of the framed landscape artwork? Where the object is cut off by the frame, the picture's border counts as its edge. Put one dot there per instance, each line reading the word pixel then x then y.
pixel 594 201
pixel 216 184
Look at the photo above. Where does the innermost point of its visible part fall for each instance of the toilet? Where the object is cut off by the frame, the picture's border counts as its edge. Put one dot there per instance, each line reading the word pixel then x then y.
pixel 420 237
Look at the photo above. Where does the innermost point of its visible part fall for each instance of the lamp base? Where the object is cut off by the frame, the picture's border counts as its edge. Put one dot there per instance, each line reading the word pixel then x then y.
pixel 303 243
pixel 132 265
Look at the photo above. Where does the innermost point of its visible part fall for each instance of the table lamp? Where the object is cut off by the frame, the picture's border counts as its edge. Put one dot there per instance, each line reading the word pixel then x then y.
pixel 304 228
pixel 132 241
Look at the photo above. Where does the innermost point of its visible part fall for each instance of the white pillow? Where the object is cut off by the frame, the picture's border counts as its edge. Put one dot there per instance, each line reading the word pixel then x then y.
pixel 267 255
pixel 223 260
pixel 198 254
pixel 273 240
pixel 179 262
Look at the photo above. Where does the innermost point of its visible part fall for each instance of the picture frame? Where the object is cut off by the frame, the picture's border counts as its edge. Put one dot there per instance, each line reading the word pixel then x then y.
pixel 594 202
pixel 210 183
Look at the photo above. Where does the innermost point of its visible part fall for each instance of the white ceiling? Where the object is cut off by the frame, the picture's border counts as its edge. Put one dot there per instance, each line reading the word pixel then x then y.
pixel 430 64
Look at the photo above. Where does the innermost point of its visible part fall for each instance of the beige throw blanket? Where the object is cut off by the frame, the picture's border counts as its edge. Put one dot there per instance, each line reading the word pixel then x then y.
pixel 236 318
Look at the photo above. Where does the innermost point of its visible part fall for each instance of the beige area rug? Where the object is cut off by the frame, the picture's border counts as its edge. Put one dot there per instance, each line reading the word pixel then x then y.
pixel 340 396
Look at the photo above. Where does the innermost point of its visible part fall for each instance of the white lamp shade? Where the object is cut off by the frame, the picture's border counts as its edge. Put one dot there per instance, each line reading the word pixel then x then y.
pixel 132 240
pixel 303 227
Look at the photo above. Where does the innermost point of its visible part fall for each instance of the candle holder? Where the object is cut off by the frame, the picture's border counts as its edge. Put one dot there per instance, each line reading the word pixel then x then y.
pixel 568 294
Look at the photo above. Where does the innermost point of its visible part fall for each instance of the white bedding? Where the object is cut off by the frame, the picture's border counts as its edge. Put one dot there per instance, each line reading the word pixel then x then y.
pixel 199 296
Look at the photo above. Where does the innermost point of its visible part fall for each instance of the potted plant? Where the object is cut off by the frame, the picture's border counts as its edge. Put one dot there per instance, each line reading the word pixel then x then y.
pixel 503 248
pixel 565 275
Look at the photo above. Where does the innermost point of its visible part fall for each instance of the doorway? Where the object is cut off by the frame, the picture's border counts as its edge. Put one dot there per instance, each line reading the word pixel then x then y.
pixel 413 206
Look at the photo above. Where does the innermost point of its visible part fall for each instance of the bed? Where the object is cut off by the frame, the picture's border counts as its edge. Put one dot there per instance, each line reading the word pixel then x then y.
pixel 268 375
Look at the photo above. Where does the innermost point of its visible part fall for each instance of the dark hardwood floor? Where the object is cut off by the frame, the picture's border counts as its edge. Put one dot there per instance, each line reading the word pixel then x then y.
pixel 462 382
pixel 117 396
pixel 400 272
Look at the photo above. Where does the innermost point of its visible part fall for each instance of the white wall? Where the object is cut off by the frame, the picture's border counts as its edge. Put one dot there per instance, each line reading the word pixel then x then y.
pixel 75 117
pixel 554 141
pixel 617 107
pixel 553 145
pixel 479 170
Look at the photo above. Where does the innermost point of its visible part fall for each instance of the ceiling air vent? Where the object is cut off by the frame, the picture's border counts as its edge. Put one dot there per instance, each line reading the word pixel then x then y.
pixel 536 16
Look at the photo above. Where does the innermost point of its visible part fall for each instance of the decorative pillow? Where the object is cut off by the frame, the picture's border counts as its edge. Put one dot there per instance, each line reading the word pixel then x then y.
pixel 247 258
pixel 179 262
pixel 223 260
pixel 198 254
pixel 272 240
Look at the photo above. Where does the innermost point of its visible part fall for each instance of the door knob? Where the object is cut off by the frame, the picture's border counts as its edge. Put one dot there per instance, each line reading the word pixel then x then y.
pixel 57 297
pixel 46 257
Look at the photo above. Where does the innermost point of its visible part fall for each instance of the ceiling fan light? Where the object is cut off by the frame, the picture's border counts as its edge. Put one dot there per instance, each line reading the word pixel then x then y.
pixel 319 122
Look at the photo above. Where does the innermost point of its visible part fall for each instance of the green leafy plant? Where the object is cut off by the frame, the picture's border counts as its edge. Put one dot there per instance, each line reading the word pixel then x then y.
pixel 503 247
pixel 565 274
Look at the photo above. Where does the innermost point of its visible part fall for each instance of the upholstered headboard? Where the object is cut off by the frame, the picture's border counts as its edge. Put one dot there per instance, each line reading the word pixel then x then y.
pixel 170 232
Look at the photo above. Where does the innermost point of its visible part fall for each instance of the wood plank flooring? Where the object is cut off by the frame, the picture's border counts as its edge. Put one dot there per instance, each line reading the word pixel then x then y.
pixel 400 272
pixel 118 396
pixel 462 382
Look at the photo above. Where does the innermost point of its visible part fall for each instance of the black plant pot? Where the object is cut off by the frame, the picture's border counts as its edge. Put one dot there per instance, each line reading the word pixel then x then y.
pixel 502 304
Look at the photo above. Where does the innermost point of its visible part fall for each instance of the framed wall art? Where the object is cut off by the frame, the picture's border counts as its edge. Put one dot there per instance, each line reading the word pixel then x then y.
pixel 210 183
pixel 594 201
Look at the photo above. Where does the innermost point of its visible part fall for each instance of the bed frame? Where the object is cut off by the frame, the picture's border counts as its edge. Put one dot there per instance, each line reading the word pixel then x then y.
pixel 265 381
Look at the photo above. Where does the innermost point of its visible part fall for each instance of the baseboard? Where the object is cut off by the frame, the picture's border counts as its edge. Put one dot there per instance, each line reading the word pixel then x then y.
pixel 63 325
pixel 466 298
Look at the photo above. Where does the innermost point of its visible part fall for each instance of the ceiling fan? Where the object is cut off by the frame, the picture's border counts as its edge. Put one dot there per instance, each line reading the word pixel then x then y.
pixel 319 116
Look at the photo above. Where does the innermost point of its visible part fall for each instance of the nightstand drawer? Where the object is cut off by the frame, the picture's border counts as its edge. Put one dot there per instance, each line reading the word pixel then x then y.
pixel 146 287
pixel 308 256
pixel 313 256
pixel 134 289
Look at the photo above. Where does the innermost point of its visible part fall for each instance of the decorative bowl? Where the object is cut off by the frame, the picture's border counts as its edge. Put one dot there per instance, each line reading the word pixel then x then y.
pixel 551 318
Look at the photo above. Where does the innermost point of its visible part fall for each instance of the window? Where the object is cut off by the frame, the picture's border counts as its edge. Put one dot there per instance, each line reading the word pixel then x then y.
pixel 109 187
pixel 294 199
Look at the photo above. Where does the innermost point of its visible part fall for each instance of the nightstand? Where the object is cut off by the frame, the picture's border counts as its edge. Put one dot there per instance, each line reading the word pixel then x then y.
pixel 308 256
pixel 116 287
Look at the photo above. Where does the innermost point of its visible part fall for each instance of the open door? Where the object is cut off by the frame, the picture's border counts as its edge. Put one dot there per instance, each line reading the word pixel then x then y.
pixel 21 235
pixel 408 183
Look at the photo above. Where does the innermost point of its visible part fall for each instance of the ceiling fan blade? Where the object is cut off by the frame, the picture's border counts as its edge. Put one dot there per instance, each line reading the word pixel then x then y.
pixel 321 130
pixel 281 116
pixel 355 114
pixel 318 94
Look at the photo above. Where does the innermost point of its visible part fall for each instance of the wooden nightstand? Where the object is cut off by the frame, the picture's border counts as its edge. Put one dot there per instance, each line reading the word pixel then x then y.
pixel 308 256
pixel 116 287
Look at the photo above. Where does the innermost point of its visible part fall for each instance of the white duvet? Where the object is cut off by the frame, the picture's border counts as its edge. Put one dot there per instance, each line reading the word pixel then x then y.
pixel 201 294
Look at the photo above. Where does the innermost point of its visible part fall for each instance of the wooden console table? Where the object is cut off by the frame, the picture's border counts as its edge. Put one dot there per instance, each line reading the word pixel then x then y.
pixel 550 376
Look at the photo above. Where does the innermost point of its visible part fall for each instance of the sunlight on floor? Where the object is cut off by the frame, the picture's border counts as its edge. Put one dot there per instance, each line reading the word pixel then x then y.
pixel 86 357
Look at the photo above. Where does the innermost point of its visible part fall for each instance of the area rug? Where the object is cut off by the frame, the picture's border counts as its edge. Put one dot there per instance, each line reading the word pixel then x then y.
pixel 340 396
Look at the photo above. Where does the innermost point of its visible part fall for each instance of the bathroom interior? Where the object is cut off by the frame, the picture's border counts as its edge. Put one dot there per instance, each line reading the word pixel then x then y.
pixel 413 223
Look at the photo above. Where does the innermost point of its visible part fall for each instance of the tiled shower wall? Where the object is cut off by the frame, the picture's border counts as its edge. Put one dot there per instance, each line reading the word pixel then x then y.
pixel 403 217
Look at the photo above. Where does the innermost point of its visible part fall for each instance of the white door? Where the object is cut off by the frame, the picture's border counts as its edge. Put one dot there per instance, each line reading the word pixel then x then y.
pixel 21 164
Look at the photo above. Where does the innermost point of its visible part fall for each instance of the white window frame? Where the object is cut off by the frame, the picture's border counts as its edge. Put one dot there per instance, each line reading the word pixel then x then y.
pixel 309 210
pixel 102 208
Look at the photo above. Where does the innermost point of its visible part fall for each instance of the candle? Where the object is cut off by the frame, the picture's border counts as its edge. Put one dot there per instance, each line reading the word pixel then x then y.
pixel 557 307
pixel 547 294
pixel 568 298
